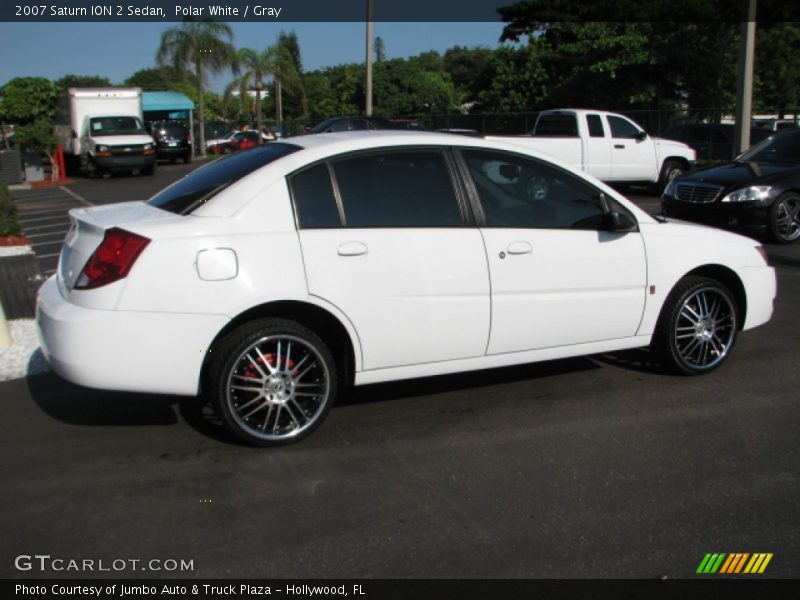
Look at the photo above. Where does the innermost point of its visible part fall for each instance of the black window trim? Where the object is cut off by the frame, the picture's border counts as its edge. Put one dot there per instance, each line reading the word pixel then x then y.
pixel 466 214
pixel 477 207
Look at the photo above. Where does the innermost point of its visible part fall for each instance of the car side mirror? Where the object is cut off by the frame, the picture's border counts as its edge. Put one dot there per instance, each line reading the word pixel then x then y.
pixel 641 136
pixel 620 222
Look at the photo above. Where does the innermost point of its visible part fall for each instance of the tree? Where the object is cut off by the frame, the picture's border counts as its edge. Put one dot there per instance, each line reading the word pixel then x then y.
pixel 296 102
pixel 30 103
pixel 160 78
pixel 28 99
pixel 83 81
pixel 275 61
pixel 201 47
pixel 777 66
pixel 380 50
pixel 290 42
pixel 467 68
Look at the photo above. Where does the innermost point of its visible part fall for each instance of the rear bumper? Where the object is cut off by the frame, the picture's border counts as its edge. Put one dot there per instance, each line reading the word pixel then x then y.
pixel 124 350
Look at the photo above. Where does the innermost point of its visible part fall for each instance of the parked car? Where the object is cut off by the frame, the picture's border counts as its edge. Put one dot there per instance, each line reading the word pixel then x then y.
pixel 711 141
pixel 335 124
pixel 759 191
pixel 607 145
pixel 273 278
pixel 173 140
pixel 235 140
pixel 775 124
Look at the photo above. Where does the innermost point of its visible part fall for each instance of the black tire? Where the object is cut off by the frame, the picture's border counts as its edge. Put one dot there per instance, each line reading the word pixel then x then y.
pixel 149 169
pixel 227 150
pixel 187 158
pixel 172 160
pixel 784 218
pixel 287 381
pixel 669 171
pixel 696 330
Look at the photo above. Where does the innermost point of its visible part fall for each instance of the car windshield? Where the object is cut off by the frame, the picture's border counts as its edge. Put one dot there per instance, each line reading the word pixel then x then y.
pixel 100 126
pixel 783 148
pixel 199 186
pixel 320 127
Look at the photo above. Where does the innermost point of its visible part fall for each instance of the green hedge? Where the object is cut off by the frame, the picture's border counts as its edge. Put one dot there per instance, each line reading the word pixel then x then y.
pixel 9 219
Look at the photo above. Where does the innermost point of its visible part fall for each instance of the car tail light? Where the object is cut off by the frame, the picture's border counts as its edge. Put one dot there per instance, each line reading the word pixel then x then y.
pixel 112 260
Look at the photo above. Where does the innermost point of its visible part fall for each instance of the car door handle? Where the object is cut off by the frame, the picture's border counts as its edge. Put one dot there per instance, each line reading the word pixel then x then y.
pixel 620 146
pixel 515 248
pixel 352 249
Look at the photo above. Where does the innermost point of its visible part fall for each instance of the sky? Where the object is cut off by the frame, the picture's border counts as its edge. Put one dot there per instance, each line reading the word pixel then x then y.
pixel 117 50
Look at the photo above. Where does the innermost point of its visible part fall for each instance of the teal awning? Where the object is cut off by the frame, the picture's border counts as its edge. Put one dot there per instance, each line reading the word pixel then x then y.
pixel 165 101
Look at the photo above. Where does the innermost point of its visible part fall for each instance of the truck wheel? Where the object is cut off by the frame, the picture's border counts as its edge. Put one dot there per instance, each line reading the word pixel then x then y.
pixel 670 170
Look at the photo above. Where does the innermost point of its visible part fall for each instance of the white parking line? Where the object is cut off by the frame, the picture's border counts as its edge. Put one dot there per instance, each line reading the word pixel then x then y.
pixel 37 219
pixel 40 227
pixel 76 196
pixel 60 233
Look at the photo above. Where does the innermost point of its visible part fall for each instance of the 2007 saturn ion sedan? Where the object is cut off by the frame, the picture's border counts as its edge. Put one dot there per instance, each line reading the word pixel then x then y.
pixel 272 278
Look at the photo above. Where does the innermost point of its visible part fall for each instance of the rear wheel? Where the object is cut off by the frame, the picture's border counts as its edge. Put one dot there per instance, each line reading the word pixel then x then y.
pixel 273 381
pixel 697 327
pixel 784 218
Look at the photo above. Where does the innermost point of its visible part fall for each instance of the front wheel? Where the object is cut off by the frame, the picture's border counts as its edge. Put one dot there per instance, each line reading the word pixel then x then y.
pixel 670 170
pixel 697 327
pixel 784 218
pixel 273 381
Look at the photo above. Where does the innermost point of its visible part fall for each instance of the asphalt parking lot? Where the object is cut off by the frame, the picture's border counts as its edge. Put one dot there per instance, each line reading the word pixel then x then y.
pixel 589 467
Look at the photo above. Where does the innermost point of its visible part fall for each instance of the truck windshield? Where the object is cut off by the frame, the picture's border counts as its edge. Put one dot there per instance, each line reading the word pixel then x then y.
pixel 99 126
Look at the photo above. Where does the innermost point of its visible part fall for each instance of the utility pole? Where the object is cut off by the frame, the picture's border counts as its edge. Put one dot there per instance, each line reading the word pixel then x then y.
pixel 368 87
pixel 744 83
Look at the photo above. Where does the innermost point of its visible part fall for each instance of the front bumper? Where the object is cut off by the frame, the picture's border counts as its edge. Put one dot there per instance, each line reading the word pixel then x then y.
pixel 124 350
pixel 123 163
pixel 735 215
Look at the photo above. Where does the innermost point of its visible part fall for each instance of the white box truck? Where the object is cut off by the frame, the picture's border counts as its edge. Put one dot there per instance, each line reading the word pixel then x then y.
pixel 102 130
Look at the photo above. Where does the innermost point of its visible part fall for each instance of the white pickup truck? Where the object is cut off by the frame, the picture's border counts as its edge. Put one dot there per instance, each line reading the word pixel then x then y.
pixel 607 145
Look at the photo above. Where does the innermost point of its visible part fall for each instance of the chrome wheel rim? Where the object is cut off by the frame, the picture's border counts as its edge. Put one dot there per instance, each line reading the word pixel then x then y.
pixel 705 328
pixel 787 218
pixel 278 387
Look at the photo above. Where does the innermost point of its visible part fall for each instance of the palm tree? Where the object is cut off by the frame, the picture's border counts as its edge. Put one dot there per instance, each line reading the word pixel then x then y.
pixel 201 46
pixel 275 61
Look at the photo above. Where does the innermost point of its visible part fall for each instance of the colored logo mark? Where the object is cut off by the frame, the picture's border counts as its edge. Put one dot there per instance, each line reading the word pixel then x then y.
pixel 734 563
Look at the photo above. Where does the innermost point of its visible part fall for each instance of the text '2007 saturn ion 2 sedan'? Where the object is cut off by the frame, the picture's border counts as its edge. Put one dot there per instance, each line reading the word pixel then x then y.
pixel 273 278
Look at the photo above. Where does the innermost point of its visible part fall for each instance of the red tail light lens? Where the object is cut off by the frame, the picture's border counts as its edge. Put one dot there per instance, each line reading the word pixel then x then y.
pixel 112 260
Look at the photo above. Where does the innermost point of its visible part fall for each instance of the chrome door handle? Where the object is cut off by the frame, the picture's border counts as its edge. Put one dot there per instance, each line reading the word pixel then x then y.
pixel 352 249
pixel 520 248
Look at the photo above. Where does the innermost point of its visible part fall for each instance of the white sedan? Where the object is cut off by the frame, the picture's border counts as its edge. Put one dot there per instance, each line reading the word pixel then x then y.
pixel 273 278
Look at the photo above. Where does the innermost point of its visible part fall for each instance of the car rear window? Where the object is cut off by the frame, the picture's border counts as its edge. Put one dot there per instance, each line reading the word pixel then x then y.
pixel 199 186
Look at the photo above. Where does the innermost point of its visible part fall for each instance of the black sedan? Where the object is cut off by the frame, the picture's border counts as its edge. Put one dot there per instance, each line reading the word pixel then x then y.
pixel 759 191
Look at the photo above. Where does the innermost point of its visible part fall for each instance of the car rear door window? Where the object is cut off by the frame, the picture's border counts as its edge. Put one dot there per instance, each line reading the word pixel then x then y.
pixel 405 188
pixel 314 200
pixel 557 126
pixel 595 124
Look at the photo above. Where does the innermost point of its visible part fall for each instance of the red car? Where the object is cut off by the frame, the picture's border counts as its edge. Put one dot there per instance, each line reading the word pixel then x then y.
pixel 239 140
